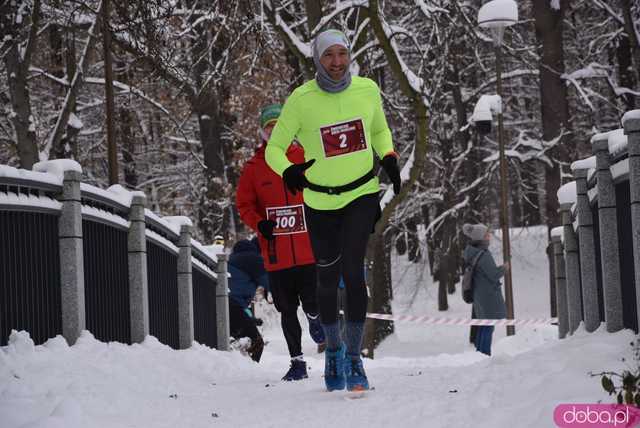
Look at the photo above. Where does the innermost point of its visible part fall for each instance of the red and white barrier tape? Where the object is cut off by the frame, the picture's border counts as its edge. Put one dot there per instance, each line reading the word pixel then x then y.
pixel 460 321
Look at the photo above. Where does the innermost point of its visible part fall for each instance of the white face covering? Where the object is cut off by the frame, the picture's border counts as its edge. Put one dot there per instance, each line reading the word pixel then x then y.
pixel 321 43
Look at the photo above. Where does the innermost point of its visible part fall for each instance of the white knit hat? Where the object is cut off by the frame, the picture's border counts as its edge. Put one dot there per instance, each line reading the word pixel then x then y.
pixel 329 38
pixel 476 232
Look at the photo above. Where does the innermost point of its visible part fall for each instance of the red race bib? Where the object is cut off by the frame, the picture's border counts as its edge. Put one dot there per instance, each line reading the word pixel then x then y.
pixel 289 219
pixel 343 138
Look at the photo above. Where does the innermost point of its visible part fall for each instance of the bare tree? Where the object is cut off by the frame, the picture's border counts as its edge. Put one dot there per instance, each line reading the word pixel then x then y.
pixel 17 47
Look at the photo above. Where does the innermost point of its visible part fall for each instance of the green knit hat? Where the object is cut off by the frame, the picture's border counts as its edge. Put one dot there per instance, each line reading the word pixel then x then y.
pixel 269 114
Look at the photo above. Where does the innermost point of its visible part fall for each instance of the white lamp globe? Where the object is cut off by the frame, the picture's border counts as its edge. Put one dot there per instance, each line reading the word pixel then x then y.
pixel 497 15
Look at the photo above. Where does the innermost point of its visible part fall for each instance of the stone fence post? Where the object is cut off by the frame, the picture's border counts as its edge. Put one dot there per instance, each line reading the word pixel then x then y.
pixel 185 288
pixel 71 258
pixel 631 123
pixel 609 248
pixel 138 279
pixel 561 287
pixel 572 264
pixel 222 304
pixel 587 253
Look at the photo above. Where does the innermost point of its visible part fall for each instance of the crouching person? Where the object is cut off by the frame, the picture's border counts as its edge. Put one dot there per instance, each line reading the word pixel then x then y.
pixel 247 274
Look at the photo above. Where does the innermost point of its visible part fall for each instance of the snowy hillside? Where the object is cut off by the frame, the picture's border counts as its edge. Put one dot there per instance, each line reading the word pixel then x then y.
pixel 423 375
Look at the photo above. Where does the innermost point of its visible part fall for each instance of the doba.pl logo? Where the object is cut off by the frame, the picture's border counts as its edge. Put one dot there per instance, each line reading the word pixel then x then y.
pixel 596 416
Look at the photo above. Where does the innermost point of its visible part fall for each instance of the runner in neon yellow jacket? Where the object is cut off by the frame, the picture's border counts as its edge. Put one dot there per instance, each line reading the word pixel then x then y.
pixel 339 121
pixel 308 109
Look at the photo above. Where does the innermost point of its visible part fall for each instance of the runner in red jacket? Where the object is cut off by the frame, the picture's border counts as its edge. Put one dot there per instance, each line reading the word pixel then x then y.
pixel 277 216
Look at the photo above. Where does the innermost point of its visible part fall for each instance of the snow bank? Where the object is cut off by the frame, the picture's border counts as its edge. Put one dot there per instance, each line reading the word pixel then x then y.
pixel 600 136
pixel 25 174
pixel 57 167
pixel 617 141
pixel 588 163
pixel 125 195
pixel 205 251
pixel 172 227
pixel 213 250
pixel 118 198
pixel 620 169
pixel 557 232
pixel 567 193
pixel 116 193
pixel 110 384
pixel 630 115
pixel 178 221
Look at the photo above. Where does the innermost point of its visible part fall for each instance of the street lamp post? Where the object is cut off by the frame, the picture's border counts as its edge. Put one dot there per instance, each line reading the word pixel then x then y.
pixel 497 15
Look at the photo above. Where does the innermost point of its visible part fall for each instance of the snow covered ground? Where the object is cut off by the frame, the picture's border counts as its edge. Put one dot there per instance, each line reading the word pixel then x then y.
pixel 422 375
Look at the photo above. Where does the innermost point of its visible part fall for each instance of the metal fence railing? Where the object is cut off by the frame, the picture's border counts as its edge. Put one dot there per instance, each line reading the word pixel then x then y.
pixel 106 281
pixel 204 308
pixel 77 257
pixel 163 294
pixel 29 274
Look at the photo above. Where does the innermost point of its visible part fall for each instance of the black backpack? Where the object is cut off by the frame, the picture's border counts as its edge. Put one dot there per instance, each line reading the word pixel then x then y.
pixel 467 278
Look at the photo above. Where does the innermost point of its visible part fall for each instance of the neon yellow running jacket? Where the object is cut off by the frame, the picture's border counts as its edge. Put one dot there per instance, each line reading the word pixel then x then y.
pixel 340 131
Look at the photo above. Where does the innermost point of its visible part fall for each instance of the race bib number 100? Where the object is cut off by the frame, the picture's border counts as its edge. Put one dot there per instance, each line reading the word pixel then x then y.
pixel 343 138
pixel 289 219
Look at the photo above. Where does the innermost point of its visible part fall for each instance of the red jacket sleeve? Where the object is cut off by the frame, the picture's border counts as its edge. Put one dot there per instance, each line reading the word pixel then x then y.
pixel 246 199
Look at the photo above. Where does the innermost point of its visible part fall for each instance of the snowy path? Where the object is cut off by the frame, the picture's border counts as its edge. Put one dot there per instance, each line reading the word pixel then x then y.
pixel 100 385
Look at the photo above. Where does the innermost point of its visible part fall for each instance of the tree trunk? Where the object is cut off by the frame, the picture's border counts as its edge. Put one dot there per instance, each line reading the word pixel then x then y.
pixel 62 121
pixel 401 243
pixel 112 148
pixel 426 218
pixel 380 293
pixel 443 302
pixel 378 264
pixel 413 241
pixel 63 61
pixel 314 14
pixel 555 109
pixel 125 134
pixel 634 43
pixel 211 214
pixel 17 68
pixel 208 106
pixel 625 70
pixel 70 142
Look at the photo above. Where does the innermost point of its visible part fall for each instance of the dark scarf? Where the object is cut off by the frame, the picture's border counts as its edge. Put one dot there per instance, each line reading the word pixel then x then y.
pixel 326 83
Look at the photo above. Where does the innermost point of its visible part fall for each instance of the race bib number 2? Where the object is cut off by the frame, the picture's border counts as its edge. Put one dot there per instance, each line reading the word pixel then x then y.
pixel 343 138
pixel 289 219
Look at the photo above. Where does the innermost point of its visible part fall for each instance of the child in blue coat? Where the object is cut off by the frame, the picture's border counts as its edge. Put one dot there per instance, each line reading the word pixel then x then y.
pixel 246 268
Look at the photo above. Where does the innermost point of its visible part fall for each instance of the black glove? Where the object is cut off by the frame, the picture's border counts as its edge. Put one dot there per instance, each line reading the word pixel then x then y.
pixel 390 165
pixel 294 176
pixel 266 229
